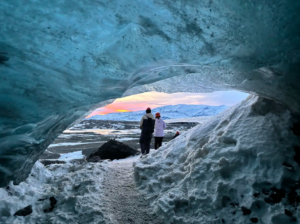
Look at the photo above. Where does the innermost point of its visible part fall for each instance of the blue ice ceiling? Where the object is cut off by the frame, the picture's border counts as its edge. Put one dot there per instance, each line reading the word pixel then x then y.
pixel 58 59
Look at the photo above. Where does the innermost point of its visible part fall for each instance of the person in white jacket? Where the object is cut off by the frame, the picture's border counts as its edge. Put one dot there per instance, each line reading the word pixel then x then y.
pixel 159 127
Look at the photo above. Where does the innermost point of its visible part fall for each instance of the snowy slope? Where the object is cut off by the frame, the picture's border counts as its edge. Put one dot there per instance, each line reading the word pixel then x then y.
pixel 238 167
pixel 76 188
pixel 167 112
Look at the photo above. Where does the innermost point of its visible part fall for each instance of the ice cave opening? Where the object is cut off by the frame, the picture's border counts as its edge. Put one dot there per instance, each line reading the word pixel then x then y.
pixel 60 60
pixel 120 121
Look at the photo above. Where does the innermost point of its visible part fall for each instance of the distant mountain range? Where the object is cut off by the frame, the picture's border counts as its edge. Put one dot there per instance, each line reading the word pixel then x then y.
pixel 167 112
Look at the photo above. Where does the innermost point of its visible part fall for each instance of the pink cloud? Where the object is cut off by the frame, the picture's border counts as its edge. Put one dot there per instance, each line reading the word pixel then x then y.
pixel 156 99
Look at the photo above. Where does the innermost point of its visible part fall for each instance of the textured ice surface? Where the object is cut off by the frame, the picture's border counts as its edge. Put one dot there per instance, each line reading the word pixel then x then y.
pixel 59 59
pixel 237 158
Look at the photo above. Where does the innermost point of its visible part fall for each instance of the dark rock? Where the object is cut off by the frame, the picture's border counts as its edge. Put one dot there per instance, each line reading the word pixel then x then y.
pixel 24 211
pixel 246 211
pixel 223 221
pixel 49 162
pixel 53 202
pixel 288 213
pixel 114 150
pixel 254 220
pixel 94 159
pixel 256 194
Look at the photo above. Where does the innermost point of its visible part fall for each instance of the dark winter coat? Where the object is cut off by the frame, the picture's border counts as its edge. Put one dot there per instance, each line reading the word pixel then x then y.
pixel 147 127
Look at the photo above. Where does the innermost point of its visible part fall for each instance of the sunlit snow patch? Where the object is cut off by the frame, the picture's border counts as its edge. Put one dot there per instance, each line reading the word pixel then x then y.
pixel 71 156
pixel 105 131
pixel 71 143
pixel 126 139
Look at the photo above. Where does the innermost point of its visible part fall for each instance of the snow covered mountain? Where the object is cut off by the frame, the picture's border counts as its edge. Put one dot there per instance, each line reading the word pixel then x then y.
pixel 167 112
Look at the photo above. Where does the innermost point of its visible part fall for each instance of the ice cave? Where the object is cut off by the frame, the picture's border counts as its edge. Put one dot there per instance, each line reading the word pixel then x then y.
pixel 61 59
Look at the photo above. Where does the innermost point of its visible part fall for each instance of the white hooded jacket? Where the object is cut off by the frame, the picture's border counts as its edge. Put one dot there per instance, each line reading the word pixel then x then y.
pixel 159 127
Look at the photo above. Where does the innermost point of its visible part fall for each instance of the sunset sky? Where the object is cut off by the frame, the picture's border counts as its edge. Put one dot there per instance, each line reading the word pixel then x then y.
pixel 156 99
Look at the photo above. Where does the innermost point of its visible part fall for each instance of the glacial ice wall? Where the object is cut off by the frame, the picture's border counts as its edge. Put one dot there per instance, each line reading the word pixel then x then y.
pixel 237 167
pixel 58 59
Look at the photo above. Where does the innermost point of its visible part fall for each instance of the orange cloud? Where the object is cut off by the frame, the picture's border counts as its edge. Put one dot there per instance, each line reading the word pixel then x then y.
pixel 122 110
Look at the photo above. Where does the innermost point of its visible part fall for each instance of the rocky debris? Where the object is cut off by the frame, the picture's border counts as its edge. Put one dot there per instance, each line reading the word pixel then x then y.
pixel 49 162
pixel 114 150
pixel 246 211
pixel 53 202
pixel 24 211
pixel 94 159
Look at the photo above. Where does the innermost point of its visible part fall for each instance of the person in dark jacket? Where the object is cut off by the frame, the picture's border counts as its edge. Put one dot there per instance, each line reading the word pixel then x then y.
pixel 177 133
pixel 147 126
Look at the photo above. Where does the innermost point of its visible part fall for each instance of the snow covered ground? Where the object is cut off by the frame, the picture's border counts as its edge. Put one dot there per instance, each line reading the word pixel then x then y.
pixel 71 156
pixel 70 143
pixel 189 119
pixel 75 187
pixel 89 193
pixel 237 168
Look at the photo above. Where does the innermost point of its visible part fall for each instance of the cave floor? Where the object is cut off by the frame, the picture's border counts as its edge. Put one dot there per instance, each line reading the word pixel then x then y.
pixel 122 201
